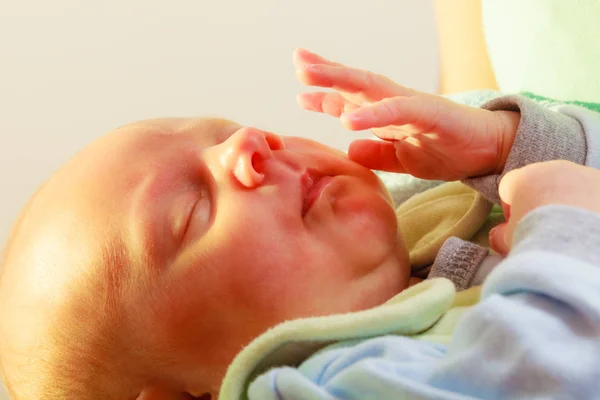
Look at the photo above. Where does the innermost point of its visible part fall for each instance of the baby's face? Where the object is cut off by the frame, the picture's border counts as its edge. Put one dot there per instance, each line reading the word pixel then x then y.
pixel 228 230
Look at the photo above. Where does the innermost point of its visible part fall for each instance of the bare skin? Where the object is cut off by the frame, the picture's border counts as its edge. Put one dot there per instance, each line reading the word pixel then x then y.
pixel 424 135
pixel 173 243
pixel 167 237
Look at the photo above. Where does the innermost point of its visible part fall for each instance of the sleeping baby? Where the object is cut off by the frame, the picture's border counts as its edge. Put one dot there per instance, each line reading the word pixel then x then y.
pixel 146 263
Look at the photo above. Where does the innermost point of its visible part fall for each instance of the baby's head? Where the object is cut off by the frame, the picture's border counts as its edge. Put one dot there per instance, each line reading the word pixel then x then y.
pixel 151 258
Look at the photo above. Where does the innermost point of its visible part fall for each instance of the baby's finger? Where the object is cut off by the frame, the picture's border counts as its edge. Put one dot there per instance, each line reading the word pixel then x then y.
pixel 422 110
pixel 370 86
pixel 330 103
pixel 303 57
pixel 375 154
pixel 498 239
pixel 514 204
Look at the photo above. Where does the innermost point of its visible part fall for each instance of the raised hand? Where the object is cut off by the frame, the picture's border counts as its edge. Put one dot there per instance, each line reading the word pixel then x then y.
pixel 425 135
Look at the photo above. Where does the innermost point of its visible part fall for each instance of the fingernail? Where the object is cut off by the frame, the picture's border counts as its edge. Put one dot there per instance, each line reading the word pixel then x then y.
pixel 505 209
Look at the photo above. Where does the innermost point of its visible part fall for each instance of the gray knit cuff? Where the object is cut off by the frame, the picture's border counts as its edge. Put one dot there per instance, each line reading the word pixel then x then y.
pixel 458 261
pixel 543 135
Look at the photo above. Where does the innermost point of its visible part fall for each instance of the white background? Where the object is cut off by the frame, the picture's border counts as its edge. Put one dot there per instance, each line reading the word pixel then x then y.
pixel 72 70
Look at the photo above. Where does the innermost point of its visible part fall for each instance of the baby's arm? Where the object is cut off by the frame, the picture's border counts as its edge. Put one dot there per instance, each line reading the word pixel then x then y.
pixel 544 133
pixel 558 132
pixel 562 132
pixel 534 334
pixel 432 137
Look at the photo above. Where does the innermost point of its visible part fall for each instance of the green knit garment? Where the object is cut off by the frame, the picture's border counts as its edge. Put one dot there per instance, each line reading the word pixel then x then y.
pixel 547 102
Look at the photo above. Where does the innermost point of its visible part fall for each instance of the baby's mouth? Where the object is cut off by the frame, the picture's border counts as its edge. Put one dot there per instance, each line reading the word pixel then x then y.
pixel 312 185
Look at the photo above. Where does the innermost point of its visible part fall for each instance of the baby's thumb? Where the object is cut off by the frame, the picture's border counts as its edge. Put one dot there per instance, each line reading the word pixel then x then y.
pixel 499 240
pixel 375 154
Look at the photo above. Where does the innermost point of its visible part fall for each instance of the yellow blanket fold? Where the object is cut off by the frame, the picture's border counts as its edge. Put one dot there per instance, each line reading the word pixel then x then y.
pixel 428 219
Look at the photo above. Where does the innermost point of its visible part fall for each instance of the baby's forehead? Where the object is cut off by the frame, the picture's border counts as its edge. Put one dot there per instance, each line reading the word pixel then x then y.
pixel 209 130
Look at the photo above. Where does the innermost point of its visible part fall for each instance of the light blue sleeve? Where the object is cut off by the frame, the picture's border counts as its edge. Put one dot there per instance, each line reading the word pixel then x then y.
pixel 534 335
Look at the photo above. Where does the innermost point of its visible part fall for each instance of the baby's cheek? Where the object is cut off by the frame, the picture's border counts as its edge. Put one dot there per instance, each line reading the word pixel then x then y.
pixel 267 281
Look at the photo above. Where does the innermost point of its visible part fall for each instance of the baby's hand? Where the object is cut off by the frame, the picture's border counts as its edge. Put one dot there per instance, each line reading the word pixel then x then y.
pixel 536 185
pixel 424 135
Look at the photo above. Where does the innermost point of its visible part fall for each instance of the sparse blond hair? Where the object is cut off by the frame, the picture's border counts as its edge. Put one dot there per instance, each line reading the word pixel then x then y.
pixel 71 355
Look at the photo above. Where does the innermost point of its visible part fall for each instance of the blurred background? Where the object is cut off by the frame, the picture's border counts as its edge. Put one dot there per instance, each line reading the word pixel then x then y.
pixel 71 71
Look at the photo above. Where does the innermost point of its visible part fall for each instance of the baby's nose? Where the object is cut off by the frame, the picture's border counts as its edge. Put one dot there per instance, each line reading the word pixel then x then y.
pixel 251 148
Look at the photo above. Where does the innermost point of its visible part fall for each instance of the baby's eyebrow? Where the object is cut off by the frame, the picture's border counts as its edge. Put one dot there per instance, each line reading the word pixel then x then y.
pixel 214 130
pixel 223 129
pixel 226 133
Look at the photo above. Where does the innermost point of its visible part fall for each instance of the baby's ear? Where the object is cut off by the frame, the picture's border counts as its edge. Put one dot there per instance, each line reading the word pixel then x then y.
pixel 163 393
